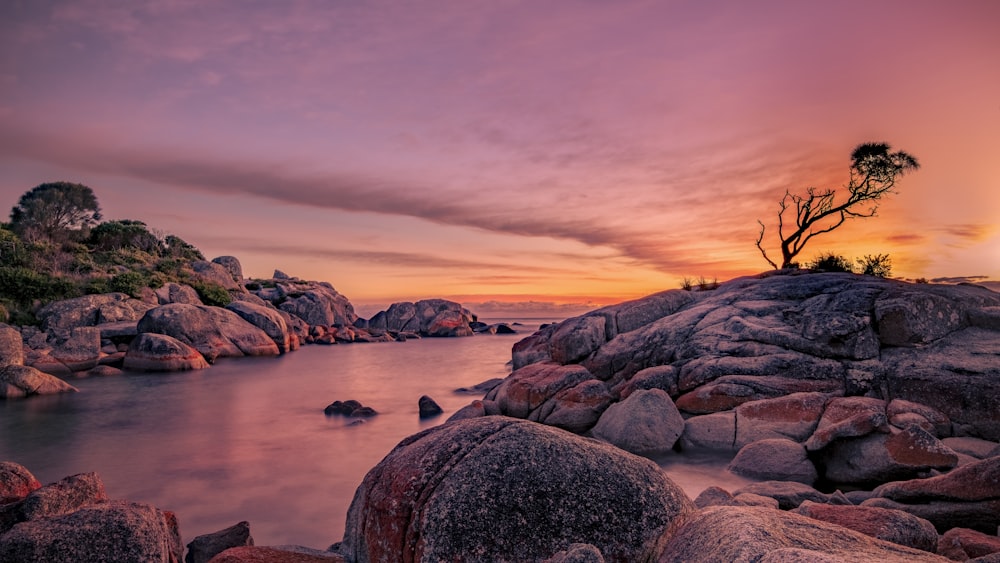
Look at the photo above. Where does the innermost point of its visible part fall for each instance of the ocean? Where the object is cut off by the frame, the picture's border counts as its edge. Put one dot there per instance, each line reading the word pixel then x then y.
pixel 247 439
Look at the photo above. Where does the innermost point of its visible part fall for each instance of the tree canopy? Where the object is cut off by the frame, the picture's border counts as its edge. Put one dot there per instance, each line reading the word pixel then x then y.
pixel 873 173
pixel 54 211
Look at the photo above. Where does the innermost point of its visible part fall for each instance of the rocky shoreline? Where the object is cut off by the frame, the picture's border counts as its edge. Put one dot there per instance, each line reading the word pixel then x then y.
pixel 170 329
pixel 869 410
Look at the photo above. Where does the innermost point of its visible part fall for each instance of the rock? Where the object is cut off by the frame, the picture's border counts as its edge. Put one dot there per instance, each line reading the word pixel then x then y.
pixel 974 482
pixel 646 423
pixel 232 265
pixel 205 547
pixel 110 532
pixel 45 363
pixel 481 388
pixel 55 499
pixel 526 493
pixel 975 447
pixel 745 534
pixel 16 482
pixel 342 407
pixel 82 350
pixel 104 371
pixel 177 293
pixel 577 338
pixel 528 388
pixel 577 553
pixel 268 320
pixel 750 499
pixel 213 331
pixel 364 412
pixel 313 303
pixel 90 310
pixel 879 458
pixel 846 417
pixel 212 272
pixel 894 526
pixel 936 421
pixel 909 318
pixel 775 459
pixel 576 409
pixel 793 416
pixel 789 494
pixel 983 516
pixel 960 544
pixel 20 381
pixel 158 352
pixel 657 377
pixel 474 409
pixel 731 391
pixel 11 346
pixel 429 317
pixel 428 408
pixel 716 431
pixel 714 496
pixel 279 554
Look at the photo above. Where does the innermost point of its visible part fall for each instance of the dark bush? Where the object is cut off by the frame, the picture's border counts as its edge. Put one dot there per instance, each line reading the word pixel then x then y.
pixel 24 286
pixel 212 293
pixel 831 262
pixel 130 283
pixel 879 265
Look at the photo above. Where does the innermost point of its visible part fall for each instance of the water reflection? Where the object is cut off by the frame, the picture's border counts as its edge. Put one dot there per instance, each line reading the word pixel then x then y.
pixel 247 439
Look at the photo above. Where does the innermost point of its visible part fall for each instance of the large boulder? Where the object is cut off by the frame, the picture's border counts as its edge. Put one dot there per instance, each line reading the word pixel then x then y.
pixel 215 273
pixel 576 409
pixel 499 489
pixel 11 346
pixel 20 381
pixel 90 310
pixel 264 318
pixel 110 532
pixel 158 352
pixel 847 417
pixel 177 293
pixel 747 534
pixel 527 389
pixel 82 350
pixel 895 526
pixel 213 331
pixel 793 416
pixel 646 423
pixel 716 431
pixel 960 544
pixel 204 547
pixel 774 459
pixel 428 317
pixel 232 265
pixel 878 458
pixel 55 499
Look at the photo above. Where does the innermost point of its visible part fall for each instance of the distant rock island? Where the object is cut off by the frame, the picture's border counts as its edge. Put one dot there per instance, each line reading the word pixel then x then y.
pixel 172 329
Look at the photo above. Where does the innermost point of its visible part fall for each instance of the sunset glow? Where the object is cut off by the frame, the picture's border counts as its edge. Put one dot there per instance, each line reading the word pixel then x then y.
pixel 562 152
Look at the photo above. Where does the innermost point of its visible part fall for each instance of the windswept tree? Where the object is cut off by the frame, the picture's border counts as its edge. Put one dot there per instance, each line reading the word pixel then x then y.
pixel 873 173
pixel 54 211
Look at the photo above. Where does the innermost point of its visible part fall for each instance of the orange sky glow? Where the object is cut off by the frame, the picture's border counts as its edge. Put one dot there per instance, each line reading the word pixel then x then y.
pixel 511 154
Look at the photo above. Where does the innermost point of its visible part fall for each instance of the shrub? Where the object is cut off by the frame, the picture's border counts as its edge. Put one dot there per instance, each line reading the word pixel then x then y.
pixel 687 284
pixel 130 283
pixel 830 262
pixel 212 293
pixel 4 315
pixel 705 285
pixel 879 265
pixel 24 286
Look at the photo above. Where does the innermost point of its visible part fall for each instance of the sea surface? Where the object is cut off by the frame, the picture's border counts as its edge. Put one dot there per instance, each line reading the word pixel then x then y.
pixel 247 439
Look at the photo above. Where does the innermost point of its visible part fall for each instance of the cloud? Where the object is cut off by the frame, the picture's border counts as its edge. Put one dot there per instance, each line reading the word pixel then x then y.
pixel 968 234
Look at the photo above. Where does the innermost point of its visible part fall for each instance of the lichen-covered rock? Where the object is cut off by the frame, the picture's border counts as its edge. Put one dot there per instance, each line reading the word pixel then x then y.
pixel 276 554
pixel 55 499
pixel 528 388
pixel 879 458
pixel 20 381
pixel 500 489
pixel 973 482
pixel 429 317
pixel 894 526
pixel 847 417
pixel 82 350
pixel 793 416
pixel 960 544
pixel 213 331
pixel 16 482
pixel 930 419
pixel 110 532
pixel 774 459
pixel 789 494
pixel 646 423
pixel 754 534
pixel 577 553
pixel 213 272
pixel 576 409
pixel 158 352
pixel 268 320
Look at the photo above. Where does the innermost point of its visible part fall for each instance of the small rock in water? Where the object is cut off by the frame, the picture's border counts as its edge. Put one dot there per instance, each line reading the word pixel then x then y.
pixel 428 408
pixel 342 407
pixel 364 412
pixel 207 546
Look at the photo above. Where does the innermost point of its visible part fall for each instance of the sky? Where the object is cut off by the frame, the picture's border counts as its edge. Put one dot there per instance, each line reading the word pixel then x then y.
pixel 510 154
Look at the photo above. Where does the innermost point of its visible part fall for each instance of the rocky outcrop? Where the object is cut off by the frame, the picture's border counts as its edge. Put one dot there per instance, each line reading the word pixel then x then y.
pixel 430 317
pixel 216 273
pixel 500 489
pixel 213 331
pixel 960 544
pixel 177 293
pixel 90 310
pixel 315 303
pixel 268 320
pixel 232 265
pixel 16 482
pixel 11 347
pixel 20 381
pixel 745 534
pixel 159 352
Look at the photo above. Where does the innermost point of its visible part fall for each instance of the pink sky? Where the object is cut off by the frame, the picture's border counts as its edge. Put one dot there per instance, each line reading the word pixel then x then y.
pixel 558 151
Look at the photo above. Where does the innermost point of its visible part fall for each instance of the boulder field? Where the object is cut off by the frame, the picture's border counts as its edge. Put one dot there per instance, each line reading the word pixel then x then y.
pixel 170 329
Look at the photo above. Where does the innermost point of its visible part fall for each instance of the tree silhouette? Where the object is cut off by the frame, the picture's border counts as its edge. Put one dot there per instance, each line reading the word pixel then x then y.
pixel 873 174
pixel 53 210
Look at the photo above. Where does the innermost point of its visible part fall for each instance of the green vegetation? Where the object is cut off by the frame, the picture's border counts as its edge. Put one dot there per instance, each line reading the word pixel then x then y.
pixel 873 174
pixel 56 248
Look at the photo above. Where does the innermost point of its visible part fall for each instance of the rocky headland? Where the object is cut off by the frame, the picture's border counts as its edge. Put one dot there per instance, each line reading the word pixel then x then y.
pixel 171 329
pixel 867 409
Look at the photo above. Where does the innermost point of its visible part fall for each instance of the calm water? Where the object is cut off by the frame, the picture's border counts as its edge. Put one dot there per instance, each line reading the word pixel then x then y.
pixel 247 438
